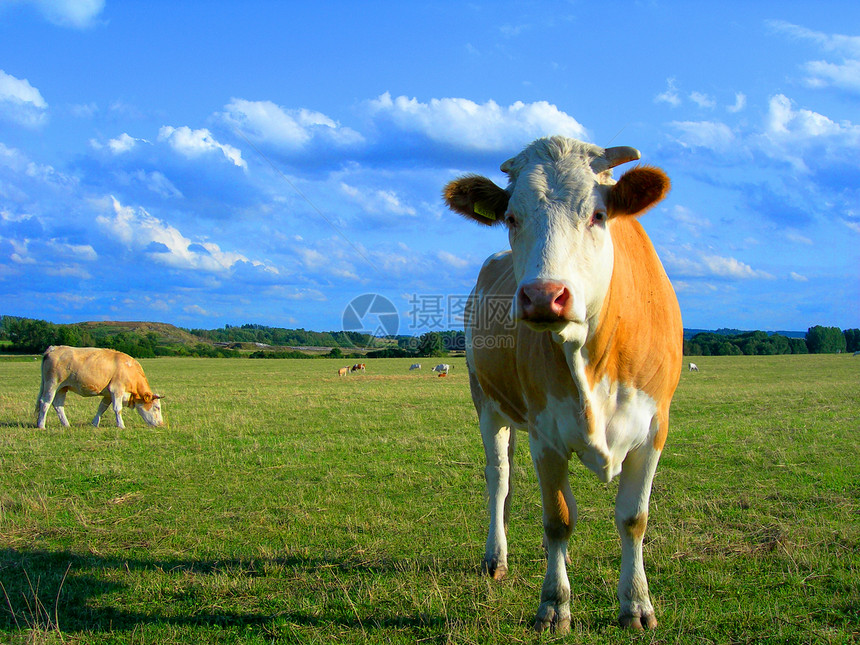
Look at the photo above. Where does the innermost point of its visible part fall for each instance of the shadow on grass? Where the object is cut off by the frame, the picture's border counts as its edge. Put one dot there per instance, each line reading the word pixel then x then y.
pixel 50 590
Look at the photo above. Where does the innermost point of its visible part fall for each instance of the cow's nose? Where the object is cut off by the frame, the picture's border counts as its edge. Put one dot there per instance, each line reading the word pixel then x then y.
pixel 544 301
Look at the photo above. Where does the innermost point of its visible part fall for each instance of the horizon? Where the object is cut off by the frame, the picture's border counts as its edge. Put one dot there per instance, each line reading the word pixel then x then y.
pixel 161 322
pixel 253 167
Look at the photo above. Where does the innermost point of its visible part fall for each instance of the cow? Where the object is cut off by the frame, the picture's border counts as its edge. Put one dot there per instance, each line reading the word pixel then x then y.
pixel 94 371
pixel 343 371
pixel 358 367
pixel 586 357
pixel 694 367
pixel 415 366
pixel 442 368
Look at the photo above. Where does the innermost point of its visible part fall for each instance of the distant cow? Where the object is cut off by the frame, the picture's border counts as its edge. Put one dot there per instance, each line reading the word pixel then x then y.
pixel 694 367
pixel 442 368
pixel 343 371
pixel 585 356
pixel 93 371
pixel 415 366
pixel 358 367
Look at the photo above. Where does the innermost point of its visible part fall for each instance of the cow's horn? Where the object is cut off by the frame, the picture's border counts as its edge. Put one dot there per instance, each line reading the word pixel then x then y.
pixel 619 155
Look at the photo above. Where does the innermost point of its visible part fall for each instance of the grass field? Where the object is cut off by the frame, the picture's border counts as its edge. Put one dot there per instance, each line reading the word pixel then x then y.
pixel 286 504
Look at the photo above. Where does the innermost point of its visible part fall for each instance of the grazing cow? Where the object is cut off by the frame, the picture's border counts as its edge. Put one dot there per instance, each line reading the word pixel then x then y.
pixel 694 367
pixel 343 371
pixel 93 371
pixel 586 357
pixel 442 368
pixel 358 367
pixel 415 366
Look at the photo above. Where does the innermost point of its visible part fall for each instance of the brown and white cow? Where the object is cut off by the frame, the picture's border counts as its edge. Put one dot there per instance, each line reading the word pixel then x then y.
pixel 93 371
pixel 585 357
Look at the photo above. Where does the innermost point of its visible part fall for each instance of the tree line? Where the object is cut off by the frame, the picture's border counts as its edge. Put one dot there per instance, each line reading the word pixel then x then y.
pixel 818 340
pixel 30 336
pixel 280 337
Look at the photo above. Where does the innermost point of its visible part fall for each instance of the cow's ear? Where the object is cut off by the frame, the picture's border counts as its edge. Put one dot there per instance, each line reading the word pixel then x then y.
pixel 477 198
pixel 638 190
pixel 147 397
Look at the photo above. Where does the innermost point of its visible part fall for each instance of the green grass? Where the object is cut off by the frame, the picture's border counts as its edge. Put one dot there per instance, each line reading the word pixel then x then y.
pixel 286 504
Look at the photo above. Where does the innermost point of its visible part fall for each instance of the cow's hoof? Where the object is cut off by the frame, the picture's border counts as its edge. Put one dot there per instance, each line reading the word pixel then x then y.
pixel 638 623
pixel 549 617
pixel 494 569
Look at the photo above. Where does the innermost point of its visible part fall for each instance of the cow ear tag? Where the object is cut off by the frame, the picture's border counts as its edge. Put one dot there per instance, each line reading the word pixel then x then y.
pixel 482 209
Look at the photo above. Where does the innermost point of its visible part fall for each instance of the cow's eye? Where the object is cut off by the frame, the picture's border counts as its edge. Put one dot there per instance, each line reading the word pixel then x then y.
pixel 599 217
pixel 510 220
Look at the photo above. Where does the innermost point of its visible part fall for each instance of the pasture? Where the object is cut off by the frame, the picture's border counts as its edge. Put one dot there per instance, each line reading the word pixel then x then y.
pixel 286 504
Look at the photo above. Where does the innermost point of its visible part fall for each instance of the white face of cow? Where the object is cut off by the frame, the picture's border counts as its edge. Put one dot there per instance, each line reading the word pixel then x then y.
pixel 151 411
pixel 557 208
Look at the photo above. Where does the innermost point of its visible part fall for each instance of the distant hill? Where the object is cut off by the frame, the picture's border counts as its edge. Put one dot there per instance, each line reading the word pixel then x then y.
pixel 167 334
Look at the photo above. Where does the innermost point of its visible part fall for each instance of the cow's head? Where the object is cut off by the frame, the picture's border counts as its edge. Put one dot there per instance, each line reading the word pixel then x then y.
pixel 148 405
pixel 558 209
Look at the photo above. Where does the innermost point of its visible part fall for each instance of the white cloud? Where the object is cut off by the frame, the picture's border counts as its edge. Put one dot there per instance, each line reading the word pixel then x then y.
pixel 196 143
pixel 452 260
pixel 8 216
pixel 20 102
pixel 20 252
pixel 84 110
pixel 157 183
pixel 784 121
pixel 79 14
pixel 78 251
pixel 466 124
pixel 796 237
pixel 123 143
pixel 739 104
pixel 265 121
pixel 824 74
pixel 702 100
pixel 798 278
pixel 797 136
pixel 705 264
pixel 300 294
pixel 197 310
pixel 732 268
pixel 377 201
pixel 69 271
pixel 670 96
pixel 690 220
pixel 793 135
pixel 705 134
pixel 854 226
pixel 844 74
pixel 165 244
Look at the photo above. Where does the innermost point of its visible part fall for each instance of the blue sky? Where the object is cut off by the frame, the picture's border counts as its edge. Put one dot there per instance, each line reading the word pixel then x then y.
pixel 211 163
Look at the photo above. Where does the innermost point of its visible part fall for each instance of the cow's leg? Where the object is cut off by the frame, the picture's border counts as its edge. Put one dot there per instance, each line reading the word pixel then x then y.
pixel 631 519
pixel 559 518
pixel 117 409
pixel 59 405
pixel 43 403
pixel 103 405
pixel 499 442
